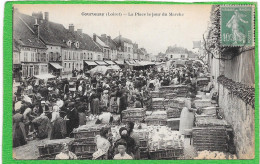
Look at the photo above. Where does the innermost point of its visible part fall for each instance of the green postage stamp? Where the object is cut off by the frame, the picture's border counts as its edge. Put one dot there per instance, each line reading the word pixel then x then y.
pixel 237 25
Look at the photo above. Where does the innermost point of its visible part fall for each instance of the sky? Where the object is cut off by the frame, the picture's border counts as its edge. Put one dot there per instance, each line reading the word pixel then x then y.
pixel 154 33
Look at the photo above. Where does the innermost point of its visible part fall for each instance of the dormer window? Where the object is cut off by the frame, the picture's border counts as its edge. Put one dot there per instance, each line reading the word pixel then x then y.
pixel 69 43
pixel 77 44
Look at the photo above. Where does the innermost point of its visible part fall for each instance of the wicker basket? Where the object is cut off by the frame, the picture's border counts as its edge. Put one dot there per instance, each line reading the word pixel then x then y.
pixel 50 149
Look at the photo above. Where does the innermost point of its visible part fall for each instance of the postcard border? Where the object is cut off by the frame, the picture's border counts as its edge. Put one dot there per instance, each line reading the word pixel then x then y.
pixel 7 88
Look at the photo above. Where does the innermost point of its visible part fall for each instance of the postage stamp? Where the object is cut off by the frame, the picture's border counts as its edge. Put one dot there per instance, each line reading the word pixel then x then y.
pixel 126 81
pixel 237 25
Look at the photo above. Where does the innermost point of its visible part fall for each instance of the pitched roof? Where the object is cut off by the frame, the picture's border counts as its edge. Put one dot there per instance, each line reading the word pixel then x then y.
pixel 23 36
pixel 100 42
pixel 50 32
pixel 108 41
pixel 56 34
pixel 90 44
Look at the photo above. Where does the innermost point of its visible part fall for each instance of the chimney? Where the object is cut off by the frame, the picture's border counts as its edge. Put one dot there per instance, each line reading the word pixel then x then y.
pixel 46 16
pixel 36 28
pixel 103 36
pixel 79 31
pixel 94 37
pixel 71 27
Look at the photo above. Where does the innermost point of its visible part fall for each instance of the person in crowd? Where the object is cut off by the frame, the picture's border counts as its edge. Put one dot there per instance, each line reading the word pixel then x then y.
pixel 130 142
pixel 82 116
pixel 19 134
pixel 59 130
pixel 73 118
pixel 104 118
pixel 95 105
pixel 42 126
pixel 130 126
pixel 44 107
pixel 65 153
pixel 103 144
pixel 122 154
pixel 105 97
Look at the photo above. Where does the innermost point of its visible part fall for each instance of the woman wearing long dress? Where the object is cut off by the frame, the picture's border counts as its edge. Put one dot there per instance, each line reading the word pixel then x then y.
pixel 19 136
pixel 95 105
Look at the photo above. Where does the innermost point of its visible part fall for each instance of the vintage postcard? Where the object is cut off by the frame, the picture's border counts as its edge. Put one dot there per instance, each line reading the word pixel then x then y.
pixel 133 81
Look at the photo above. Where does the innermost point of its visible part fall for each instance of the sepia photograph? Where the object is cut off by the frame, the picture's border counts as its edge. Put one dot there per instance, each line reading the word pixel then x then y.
pixel 133 81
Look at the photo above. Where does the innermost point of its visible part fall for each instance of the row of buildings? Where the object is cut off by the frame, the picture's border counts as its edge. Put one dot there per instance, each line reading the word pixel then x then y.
pixel 42 47
pixel 175 52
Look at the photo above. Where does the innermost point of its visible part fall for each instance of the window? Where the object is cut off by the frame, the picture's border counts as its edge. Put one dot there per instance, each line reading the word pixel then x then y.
pixel 81 56
pixel 88 56
pixel 91 56
pixel 129 56
pixel 42 57
pixel 24 70
pixel 99 57
pixel 77 44
pixel 182 56
pixel 25 56
pixel 44 69
pixel 128 49
pixel 32 57
pixel 74 56
pixel 69 65
pixel 65 65
pixel 171 56
pixel 69 55
pixel 37 57
pixel 36 70
pixel 51 56
pixel 69 43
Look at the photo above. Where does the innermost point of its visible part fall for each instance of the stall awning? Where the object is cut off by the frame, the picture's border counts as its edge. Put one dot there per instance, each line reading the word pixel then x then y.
pixel 44 76
pixel 56 65
pixel 101 63
pixel 131 62
pixel 119 62
pixel 145 63
pixel 109 62
pixel 90 63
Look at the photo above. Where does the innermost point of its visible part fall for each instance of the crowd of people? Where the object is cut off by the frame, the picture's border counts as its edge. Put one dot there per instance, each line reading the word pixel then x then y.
pixel 53 108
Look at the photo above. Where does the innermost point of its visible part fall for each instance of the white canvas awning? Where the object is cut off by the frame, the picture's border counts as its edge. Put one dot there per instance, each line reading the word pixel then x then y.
pixel 101 63
pixel 119 62
pixel 56 65
pixel 90 63
pixel 109 62
pixel 44 76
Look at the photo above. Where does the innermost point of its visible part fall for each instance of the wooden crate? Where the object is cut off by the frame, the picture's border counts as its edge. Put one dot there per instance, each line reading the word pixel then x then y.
pixel 156 122
pixel 86 133
pixel 133 112
pixel 155 94
pixel 49 149
pixel 143 143
pixel 174 123
pixel 84 148
pixel 173 112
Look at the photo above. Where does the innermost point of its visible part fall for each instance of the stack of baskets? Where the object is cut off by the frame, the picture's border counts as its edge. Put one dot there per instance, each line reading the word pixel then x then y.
pixel 84 144
pixel 156 120
pixel 210 138
pixel 49 151
pixel 158 103
pixel 135 115
pixel 181 90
